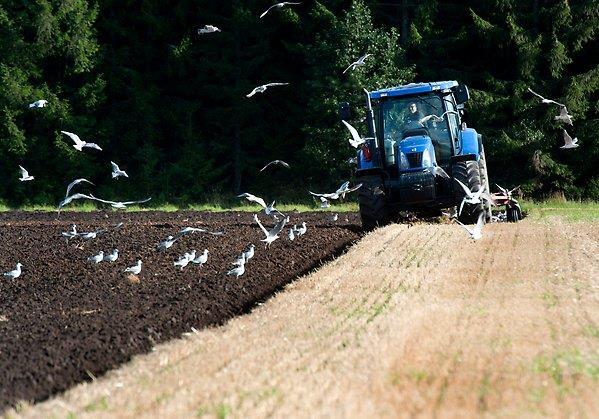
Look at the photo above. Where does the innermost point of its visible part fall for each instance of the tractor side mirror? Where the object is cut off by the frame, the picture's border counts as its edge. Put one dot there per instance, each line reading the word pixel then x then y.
pixel 461 93
pixel 344 111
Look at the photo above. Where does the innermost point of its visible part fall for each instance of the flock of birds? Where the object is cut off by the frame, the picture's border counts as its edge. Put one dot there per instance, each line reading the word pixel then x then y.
pixel 271 235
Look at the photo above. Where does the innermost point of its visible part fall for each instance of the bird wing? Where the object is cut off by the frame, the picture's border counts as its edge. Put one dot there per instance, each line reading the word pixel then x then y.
pixel 75 182
pixel 479 223
pixel 24 172
pixel 465 188
pixel 278 227
pixel 363 57
pixel 92 145
pixel 536 94
pixel 268 10
pixel 503 190
pixel 252 93
pixel 253 198
pixel 133 202
pixel 256 219
pixel 272 162
pixel 357 140
pixel 275 84
pixel 567 138
pixel 115 167
pixel 73 137
pixel 465 227
pixel 355 188
pixel 282 163
pixel 348 67
pixel 439 171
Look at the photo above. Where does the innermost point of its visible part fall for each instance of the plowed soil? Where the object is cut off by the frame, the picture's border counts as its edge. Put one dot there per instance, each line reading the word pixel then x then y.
pixel 67 320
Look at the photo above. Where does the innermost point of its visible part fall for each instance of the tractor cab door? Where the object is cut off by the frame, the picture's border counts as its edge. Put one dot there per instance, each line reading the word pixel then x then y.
pixel 450 142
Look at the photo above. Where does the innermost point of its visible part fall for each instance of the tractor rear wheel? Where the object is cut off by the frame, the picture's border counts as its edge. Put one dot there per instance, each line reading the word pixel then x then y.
pixel 484 178
pixel 468 172
pixel 374 210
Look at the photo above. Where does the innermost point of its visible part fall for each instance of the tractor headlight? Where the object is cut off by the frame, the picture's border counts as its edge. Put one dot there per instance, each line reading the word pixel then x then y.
pixel 426 158
pixel 403 161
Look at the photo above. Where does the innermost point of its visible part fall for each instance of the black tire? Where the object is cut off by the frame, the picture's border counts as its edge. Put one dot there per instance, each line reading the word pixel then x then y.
pixel 484 178
pixel 513 214
pixel 467 172
pixel 374 210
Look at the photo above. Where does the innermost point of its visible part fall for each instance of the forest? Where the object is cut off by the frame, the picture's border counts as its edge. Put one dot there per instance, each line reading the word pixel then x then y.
pixel 169 104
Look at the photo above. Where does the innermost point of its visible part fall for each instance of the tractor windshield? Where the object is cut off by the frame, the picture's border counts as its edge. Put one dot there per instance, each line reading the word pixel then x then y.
pixel 415 115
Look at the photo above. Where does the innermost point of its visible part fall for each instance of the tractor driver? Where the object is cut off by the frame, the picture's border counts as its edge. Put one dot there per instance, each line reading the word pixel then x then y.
pixel 412 117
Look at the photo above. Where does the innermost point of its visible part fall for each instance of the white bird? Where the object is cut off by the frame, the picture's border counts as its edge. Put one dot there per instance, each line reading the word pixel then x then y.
pixel 470 197
pixel 438 171
pixel 188 230
pixel 79 143
pixel 111 257
pixel 91 235
pixel 68 199
pixel 335 217
pixel 253 198
pixel 291 234
pixel 564 116
pixel 324 203
pixel 116 171
pixel 281 162
pixel 278 6
pixel 97 258
pixel 15 273
pixel 71 233
pixel 435 117
pixel 42 103
pixel 25 176
pixel 569 141
pixel 166 243
pixel 544 100
pixel 273 234
pixel 507 192
pixel 339 193
pixel 183 261
pixel 208 29
pixel 75 182
pixel 262 89
pixel 357 63
pixel 120 205
pixel 203 258
pixel 135 269
pixel 240 260
pixel 355 141
pixel 476 232
pixel 238 271
pixel 190 255
pixel 300 231
pixel 248 254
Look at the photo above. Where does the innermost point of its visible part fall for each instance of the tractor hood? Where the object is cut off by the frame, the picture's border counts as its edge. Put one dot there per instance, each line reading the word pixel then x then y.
pixel 416 153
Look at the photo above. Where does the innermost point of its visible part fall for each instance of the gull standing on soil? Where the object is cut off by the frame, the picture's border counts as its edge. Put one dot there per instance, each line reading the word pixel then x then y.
pixel 240 260
pixel 278 6
pixel 116 171
pixel 358 63
pixel 339 193
pixel 183 261
pixel 79 143
pixel 15 273
pixel 291 234
pixel 190 255
pixel 262 89
pixel 476 232
pixel 355 141
pixel 248 254
pixel 42 103
pixel 470 197
pixel 335 217
pixel 238 271
pixel 569 141
pixel 300 231
pixel 25 176
pixel 208 29
pixel 97 258
pixel 273 234
pixel 544 100
pixel 111 257
pixel 75 182
pixel 135 269
pixel 564 116
pixel 203 258
pixel 281 162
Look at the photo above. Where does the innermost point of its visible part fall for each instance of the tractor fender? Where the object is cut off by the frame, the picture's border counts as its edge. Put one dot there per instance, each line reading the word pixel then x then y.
pixel 469 139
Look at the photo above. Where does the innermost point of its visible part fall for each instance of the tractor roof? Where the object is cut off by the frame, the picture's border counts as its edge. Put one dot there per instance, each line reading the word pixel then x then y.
pixel 413 89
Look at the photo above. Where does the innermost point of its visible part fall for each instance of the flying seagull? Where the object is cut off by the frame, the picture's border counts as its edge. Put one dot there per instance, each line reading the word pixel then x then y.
pixel 564 116
pixel 166 243
pixel 476 232
pixel 75 182
pixel 268 209
pixel 355 141
pixel 25 176
pixel 79 143
pixel 544 100
pixel 273 234
pixel 116 171
pixel 120 205
pixel 324 203
pixel 435 117
pixel 278 6
pixel 68 199
pixel 470 197
pixel 438 171
pixel 507 192
pixel 14 273
pixel 339 193
pixel 111 257
pixel 262 89
pixel 569 141
pixel 42 103
pixel 281 162
pixel 188 230
pixel 91 235
pixel 97 258
pixel 135 269
pixel 358 63
pixel 208 29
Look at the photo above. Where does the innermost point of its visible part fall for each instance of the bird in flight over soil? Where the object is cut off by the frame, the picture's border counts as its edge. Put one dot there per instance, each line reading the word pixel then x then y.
pixel 91 235
pixel 135 269
pixel 324 203
pixel 15 273
pixel 273 234
pixel 97 258
pixel 188 230
pixel 79 143
pixel 358 63
pixel 71 233
pixel 25 176
pixel 208 29
pixel 507 192
pixel 281 162
pixel 438 171
pixel 262 89
pixel 75 182
pixel 278 6
pixel 569 141
pixel 268 209
pixel 68 199
pixel 42 103
pixel 355 141
pixel 339 193
pixel 545 100
pixel 476 232
pixel 564 116
pixel 111 257
pixel 166 243
pixel 116 171
pixel 120 205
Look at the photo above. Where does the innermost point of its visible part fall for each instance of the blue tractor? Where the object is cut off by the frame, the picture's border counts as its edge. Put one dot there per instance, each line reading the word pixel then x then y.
pixel 414 130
